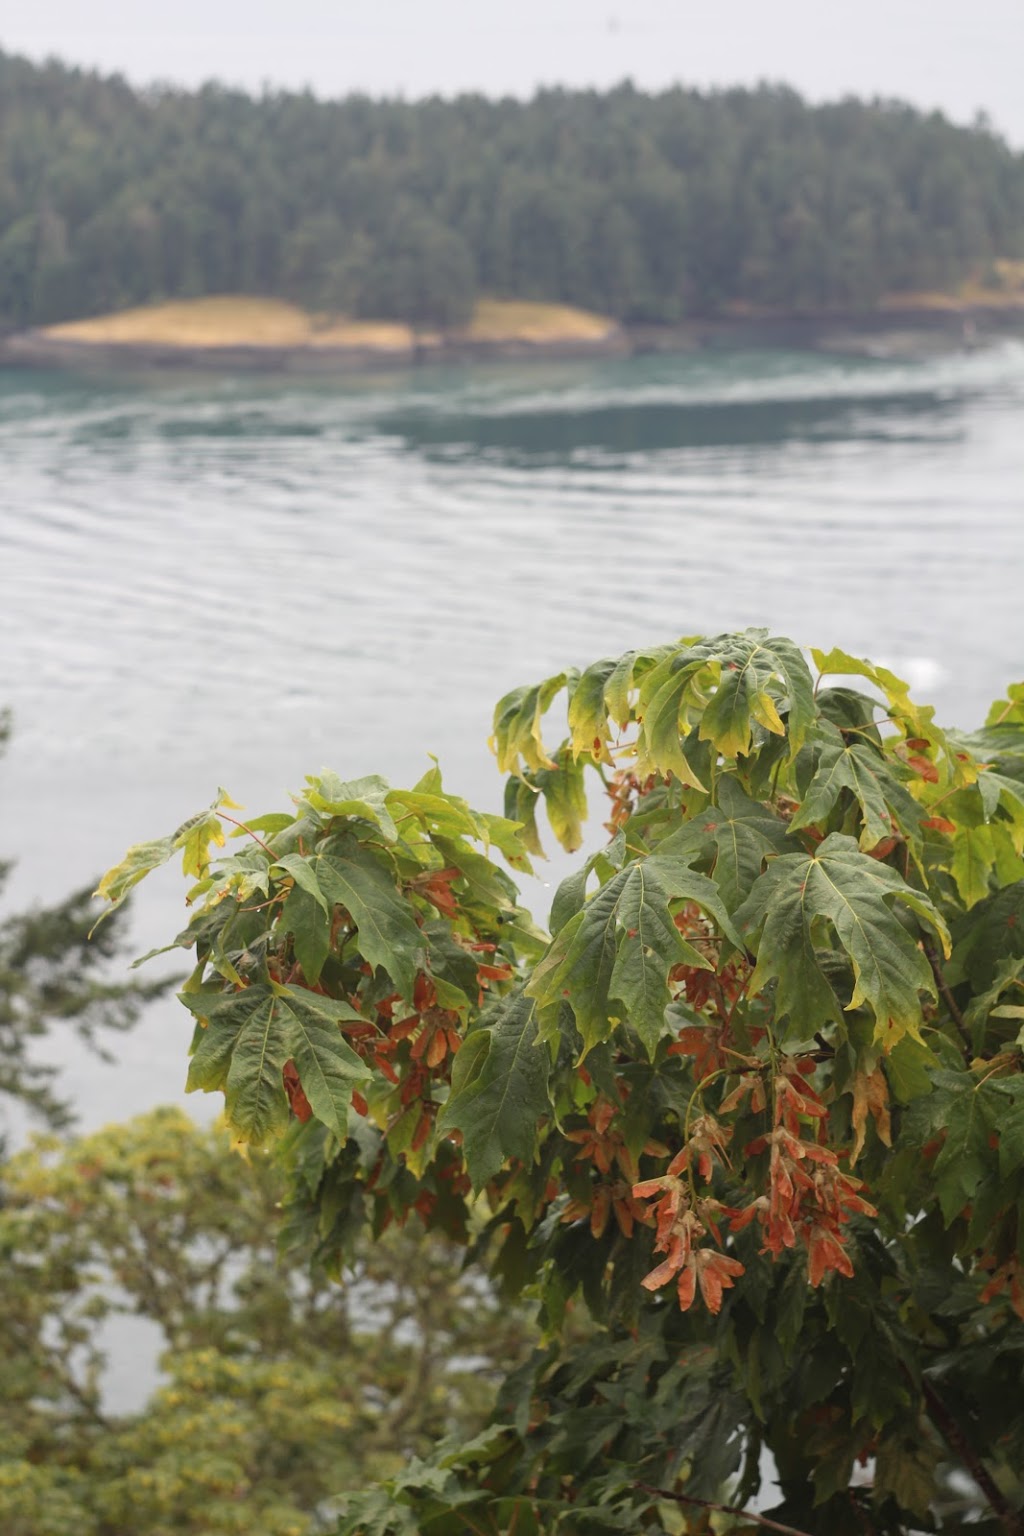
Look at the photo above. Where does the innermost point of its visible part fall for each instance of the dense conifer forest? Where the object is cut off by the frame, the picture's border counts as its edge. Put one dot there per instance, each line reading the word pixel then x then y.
pixel 648 208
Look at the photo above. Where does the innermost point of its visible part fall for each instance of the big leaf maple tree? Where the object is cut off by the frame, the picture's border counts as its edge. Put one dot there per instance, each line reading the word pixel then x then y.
pixel 747 1125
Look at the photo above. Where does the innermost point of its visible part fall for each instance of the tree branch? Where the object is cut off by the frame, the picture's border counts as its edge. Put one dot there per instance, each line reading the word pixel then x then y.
pixel 950 1430
pixel 932 956
pixel 724 1509
pixel 65 1376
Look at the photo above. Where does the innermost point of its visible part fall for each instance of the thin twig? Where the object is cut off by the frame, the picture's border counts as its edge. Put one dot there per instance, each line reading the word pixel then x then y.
pixel 236 823
pixel 932 956
pixel 66 1376
pixel 723 1509
pixel 950 1430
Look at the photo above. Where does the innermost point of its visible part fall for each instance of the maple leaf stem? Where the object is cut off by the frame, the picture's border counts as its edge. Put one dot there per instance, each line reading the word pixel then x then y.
pixel 1004 714
pixel 775 780
pixel 739 998
pixel 950 1430
pixel 236 823
pixel 932 956
pixel 954 789
pixel 723 1509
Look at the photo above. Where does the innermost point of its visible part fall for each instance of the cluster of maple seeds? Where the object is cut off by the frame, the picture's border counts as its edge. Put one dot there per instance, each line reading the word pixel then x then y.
pixel 435 1035
pixel 624 789
pixel 1004 1280
pixel 434 1030
pixel 809 1199
pixel 613 1193
pixel 683 1220
pixel 451 1173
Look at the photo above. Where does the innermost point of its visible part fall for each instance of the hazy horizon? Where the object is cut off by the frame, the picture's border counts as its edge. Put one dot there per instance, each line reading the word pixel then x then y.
pixel 943 56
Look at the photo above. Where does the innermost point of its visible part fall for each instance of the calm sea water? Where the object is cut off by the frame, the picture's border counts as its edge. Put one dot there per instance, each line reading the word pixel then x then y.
pixel 236 582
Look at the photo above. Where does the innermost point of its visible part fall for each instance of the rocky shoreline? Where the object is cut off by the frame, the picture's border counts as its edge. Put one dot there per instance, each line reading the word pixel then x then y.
pixel 892 332
pixel 39 350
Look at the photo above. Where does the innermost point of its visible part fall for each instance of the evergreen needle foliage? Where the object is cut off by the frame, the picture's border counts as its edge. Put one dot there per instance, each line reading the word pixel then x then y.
pixel 646 208
pixel 52 979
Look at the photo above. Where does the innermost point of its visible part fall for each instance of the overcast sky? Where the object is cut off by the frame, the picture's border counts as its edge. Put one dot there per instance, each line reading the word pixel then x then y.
pixel 963 56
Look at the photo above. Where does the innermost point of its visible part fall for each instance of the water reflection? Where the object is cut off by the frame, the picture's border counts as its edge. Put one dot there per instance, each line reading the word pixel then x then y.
pixel 238 581
pixel 627 430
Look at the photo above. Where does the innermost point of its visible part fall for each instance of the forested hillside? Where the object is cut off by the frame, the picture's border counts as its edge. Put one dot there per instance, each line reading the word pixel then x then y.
pixel 648 208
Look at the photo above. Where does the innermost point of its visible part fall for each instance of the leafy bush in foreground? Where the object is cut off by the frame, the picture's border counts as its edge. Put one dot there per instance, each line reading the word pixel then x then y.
pixel 756 1103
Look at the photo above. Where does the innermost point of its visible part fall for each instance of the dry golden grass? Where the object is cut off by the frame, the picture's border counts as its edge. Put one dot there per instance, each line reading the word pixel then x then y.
pixel 232 321
pixel 239 321
pixel 227 321
pixel 375 335
pixel 1002 287
pixel 512 320
pixel 922 300
pixel 1010 274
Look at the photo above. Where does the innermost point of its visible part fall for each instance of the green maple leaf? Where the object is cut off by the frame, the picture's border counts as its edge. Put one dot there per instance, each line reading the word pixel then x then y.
pixel 966 1158
pixel 662 713
pixel 988 1005
pixel 194 837
pixel 581 959
pixel 727 686
pixel 965 1113
pixel 499 1088
pixel 437 811
pixel 366 798
pixel 565 797
pixel 249 1036
pixel 1009 1121
pixel 974 855
pixel 613 956
pixel 521 807
pixel 564 794
pixel 650 947
pixel 298 866
pixel 453 969
pixel 517 724
pixel 864 772
pixel 1009 710
pixel 589 708
pixel 997 789
pixel 748 666
pixel 192 840
pixel 506 836
pixel 738 833
pixel 486 881
pixel 738 701
pixel 308 919
pixel 603 696
pixel 800 899
pixel 991 933
pixel 917 718
pixel 905 1469
pixel 908 1068
pixel 350 876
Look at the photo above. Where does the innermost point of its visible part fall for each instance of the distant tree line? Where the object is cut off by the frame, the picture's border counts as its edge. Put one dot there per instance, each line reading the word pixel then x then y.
pixel 648 208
